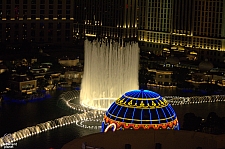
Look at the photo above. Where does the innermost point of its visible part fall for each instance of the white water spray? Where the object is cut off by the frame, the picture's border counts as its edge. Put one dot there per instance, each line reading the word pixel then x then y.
pixel 109 70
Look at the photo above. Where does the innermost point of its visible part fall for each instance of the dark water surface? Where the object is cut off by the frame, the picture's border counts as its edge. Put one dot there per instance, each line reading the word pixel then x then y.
pixel 14 117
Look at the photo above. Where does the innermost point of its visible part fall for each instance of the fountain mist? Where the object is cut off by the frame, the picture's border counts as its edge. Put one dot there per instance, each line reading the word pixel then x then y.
pixel 109 70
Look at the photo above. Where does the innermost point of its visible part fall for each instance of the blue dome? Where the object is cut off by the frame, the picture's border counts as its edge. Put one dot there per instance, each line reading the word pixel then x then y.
pixel 142 107
pixel 141 94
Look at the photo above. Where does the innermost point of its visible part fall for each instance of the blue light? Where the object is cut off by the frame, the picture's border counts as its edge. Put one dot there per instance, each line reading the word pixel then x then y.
pixel 164 115
pixel 169 113
pixel 125 114
pixel 141 115
pixel 158 115
pixel 118 113
pixel 103 127
pixel 133 116
pixel 137 107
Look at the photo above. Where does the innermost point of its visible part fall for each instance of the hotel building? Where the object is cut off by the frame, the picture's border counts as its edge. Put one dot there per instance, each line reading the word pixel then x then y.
pixel 106 18
pixel 191 26
pixel 196 25
pixel 36 21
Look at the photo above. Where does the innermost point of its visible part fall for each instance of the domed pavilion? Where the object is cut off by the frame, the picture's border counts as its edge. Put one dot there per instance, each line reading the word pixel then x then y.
pixel 140 109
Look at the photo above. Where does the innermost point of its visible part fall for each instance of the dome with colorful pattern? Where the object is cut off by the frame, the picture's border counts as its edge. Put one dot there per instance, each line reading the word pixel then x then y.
pixel 140 109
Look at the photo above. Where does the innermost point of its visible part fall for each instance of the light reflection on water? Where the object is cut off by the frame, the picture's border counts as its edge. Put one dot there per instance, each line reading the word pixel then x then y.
pixel 201 110
pixel 15 117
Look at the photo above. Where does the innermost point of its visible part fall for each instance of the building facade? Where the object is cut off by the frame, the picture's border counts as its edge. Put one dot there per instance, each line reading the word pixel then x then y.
pixel 101 18
pixel 194 24
pixel 36 21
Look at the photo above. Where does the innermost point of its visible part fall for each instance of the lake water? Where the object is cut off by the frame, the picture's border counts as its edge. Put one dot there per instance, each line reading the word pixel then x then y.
pixel 14 117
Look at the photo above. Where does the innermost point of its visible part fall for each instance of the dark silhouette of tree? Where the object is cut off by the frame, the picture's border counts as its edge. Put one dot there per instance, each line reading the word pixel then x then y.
pixel 142 75
pixel 56 67
pixel 191 122
pixel 179 75
pixel 214 124
pixel 209 88
pixel 212 119
pixel 3 79
pixel 22 69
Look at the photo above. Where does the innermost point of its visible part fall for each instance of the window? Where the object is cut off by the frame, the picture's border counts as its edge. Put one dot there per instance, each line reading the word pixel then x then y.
pixel 59 26
pixel 50 11
pixel 67 6
pixel 24 25
pixel 67 39
pixel 59 16
pixel 59 1
pixel 67 32
pixel 33 6
pixel 42 11
pixel 58 33
pixel 50 32
pixel 42 17
pixel 33 1
pixel 49 39
pixel 41 33
pixel 16 26
pixel 42 26
pixel 33 33
pixel 59 11
pixel 33 17
pixel 67 11
pixel 42 1
pixel 167 76
pixel 67 25
pixel 33 11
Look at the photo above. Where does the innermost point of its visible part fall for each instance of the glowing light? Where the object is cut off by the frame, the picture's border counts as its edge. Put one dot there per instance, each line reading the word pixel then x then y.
pixel 91 119
pixel 176 100
pixel 141 109
pixel 91 35
pixel 110 69
pixel 110 126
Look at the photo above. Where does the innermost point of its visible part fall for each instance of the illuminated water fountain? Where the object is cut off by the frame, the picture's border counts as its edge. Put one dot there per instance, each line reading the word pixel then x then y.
pixel 89 119
pixel 71 100
pixel 109 70
pixel 79 119
pixel 176 100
